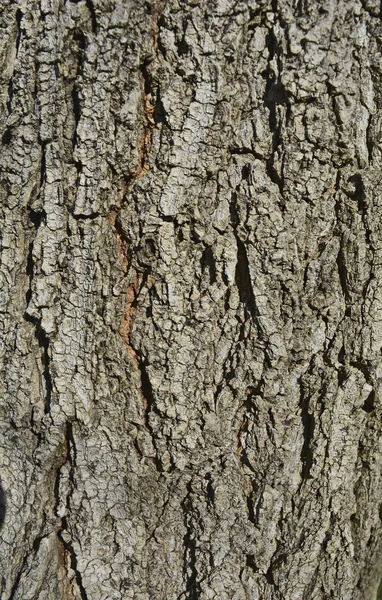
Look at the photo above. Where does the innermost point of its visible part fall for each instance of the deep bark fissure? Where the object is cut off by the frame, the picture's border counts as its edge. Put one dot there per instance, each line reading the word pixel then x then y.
pixel 274 95
pixel 308 427
pixel 93 15
pixel 341 259
pixel 34 547
pixel 249 412
pixel 76 111
pixel 64 531
pixel 343 275
pixel 19 16
pixel 44 345
pixel 43 341
pixel 190 571
pixel 68 546
pixel 243 278
pixel 362 205
pixel 149 402
pixel 251 563
pixel 3 506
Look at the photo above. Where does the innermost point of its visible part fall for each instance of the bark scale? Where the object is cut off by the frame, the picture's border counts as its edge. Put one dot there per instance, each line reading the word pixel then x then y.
pixel 191 299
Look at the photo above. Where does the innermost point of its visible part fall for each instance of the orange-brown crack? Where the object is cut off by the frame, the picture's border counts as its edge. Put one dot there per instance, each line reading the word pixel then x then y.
pixel 149 109
pixel 126 328
pixel 145 146
pixel 63 578
pixel 141 170
pixel 127 319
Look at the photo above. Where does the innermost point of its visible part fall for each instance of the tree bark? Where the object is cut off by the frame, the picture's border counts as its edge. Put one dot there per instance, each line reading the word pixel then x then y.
pixel 191 299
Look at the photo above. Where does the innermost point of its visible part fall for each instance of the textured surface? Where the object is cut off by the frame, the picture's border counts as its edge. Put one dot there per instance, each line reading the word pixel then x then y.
pixel 191 299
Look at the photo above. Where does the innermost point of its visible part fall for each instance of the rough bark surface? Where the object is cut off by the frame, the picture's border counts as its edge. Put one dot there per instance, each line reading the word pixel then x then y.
pixel 191 299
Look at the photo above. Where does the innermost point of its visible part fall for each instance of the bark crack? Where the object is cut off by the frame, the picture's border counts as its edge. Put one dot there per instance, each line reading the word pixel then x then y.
pixel 19 15
pixel 242 275
pixel 275 94
pixel 149 111
pixel 44 345
pixel 190 571
pixel 93 16
pixel 63 533
pixel 40 334
pixel 153 113
pixel 308 425
pixel 3 506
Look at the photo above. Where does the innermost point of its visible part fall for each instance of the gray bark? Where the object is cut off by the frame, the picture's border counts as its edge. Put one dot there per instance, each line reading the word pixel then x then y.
pixel 191 299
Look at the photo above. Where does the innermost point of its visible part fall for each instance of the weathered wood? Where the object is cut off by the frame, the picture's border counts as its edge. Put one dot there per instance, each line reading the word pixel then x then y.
pixel 191 299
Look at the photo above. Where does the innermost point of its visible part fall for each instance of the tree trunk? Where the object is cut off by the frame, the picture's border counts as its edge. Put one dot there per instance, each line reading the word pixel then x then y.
pixel 191 299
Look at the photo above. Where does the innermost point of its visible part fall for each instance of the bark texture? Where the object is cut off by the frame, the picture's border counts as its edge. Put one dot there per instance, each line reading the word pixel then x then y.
pixel 191 299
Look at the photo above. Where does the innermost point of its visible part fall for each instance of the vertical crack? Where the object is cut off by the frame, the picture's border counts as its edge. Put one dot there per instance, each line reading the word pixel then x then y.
pixel 35 548
pixel 343 277
pixel 19 16
pixel 341 259
pixel 274 95
pixel 243 280
pixel 248 414
pixel 63 533
pixel 44 345
pixel 207 263
pixel 93 16
pixel 308 425
pixel 360 197
pixel 80 38
pixel 73 562
pixel 189 570
pixel 141 169
pixel 40 334
pixel 3 506
pixel 148 397
pixel 242 274
pixel 152 113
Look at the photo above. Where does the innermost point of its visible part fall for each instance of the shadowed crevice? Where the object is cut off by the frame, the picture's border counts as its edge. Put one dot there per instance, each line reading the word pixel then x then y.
pixel 192 591
pixel 44 344
pixel 73 561
pixel 308 425
pixel 43 341
pixel 3 506
pixel 64 531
